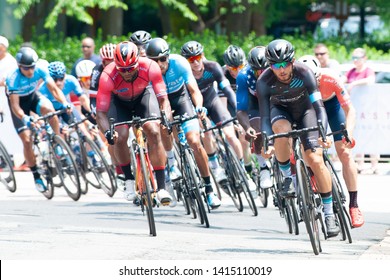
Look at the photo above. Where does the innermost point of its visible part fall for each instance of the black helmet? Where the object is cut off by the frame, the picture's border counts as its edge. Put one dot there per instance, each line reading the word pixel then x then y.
pixel 279 51
pixel 157 47
pixel 256 58
pixel 191 48
pixel 140 37
pixel 234 56
pixel 26 56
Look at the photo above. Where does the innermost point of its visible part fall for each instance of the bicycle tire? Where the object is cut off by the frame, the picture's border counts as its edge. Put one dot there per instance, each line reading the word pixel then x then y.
pixel 338 205
pixel 7 167
pixel 45 170
pixel 66 167
pixel 104 177
pixel 307 206
pixel 229 186
pixel 186 186
pixel 241 178
pixel 74 140
pixel 146 194
pixel 195 183
pixel 262 193
pixel 291 205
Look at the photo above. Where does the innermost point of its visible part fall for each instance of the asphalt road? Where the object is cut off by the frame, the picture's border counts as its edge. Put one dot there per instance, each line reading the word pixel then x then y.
pixel 101 228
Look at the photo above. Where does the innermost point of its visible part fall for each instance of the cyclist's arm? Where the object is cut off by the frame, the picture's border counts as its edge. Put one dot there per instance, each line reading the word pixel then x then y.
pixel 242 101
pixel 85 102
pixel 316 99
pixel 263 97
pixel 196 95
pixel 103 100
pixel 57 93
pixel 15 105
pixel 224 85
pixel 159 88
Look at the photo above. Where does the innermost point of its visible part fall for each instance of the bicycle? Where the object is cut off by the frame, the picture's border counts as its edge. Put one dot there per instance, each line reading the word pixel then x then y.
pixel 7 175
pixel 146 186
pixel 309 202
pixel 237 179
pixel 55 159
pixel 93 166
pixel 189 189
pixel 339 198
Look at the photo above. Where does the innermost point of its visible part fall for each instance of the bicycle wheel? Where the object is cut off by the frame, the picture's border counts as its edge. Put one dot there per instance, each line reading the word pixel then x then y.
pixel 146 196
pixel 46 172
pixel 307 206
pixel 75 143
pixel 241 180
pixel 99 172
pixel 66 167
pixel 338 203
pixel 7 175
pixel 194 183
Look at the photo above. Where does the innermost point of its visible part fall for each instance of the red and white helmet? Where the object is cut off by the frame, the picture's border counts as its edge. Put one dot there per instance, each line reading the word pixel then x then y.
pixel 107 51
pixel 126 54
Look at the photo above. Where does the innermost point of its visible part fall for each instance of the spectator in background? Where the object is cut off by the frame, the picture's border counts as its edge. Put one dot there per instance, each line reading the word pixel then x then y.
pixel 88 49
pixel 322 54
pixel 7 61
pixel 361 74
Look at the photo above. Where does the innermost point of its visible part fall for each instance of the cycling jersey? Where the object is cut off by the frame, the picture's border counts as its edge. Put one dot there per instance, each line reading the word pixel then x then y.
pixel 246 90
pixel 232 80
pixel 111 82
pixel 213 73
pixel 331 87
pixel 71 85
pixel 19 84
pixel 95 76
pixel 299 101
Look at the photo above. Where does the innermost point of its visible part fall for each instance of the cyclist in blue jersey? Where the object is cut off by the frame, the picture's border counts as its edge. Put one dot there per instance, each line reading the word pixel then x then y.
pixel 23 98
pixel 288 93
pixel 183 92
pixel 247 105
pixel 206 73
pixel 141 39
pixel 68 84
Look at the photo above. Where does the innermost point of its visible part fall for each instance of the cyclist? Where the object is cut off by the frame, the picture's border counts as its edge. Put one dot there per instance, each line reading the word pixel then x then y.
pixel 141 39
pixel 182 88
pixel 23 98
pixel 288 93
pixel 247 105
pixel 133 85
pixel 206 73
pixel 339 110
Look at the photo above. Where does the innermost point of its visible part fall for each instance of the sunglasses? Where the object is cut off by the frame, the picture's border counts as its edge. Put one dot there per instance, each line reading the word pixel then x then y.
pixel 192 59
pixel 85 79
pixel 357 57
pixel 161 59
pixel 26 68
pixel 86 47
pixel 127 69
pixel 236 68
pixel 320 53
pixel 277 66
pixel 60 79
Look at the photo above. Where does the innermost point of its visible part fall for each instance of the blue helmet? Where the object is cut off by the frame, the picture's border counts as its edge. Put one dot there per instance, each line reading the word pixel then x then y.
pixel 57 69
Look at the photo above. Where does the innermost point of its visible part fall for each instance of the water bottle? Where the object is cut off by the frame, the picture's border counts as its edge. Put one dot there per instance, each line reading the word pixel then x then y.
pixel 49 130
pixel 44 149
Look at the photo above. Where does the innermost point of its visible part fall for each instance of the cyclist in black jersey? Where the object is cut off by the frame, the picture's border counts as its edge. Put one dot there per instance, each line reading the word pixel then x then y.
pixel 206 73
pixel 247 105
pixel 141 39
pixel 288 93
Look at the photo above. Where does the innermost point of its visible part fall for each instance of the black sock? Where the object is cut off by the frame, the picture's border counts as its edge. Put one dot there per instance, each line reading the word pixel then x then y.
pixel 127 171
pixel 208 188
pixel 353 200
pixel 35 172
pixel 207 180
pixel 248 168
pixel 160 178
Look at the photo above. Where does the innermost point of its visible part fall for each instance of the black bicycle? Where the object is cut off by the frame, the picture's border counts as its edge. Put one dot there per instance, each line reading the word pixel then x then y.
pixel 189 187
pixel 237 180
pixel 93 166
pixel 309 202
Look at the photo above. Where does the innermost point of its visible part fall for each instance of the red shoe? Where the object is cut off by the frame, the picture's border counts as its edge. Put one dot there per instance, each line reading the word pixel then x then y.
pixel 356 217
pixel 23 168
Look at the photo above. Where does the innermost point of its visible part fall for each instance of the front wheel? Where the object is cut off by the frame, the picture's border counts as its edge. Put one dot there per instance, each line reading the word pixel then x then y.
pixel 7 175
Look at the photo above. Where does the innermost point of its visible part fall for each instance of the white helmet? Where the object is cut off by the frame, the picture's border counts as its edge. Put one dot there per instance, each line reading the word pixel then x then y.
pixel 312 62
pixel 84 68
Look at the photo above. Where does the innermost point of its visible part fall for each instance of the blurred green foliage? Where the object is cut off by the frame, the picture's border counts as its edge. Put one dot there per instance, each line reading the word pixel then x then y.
pixel 55 46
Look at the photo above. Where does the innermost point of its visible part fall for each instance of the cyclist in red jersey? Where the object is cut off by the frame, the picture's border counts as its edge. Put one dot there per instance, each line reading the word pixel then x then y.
pixel 133 86
pixel 339 109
